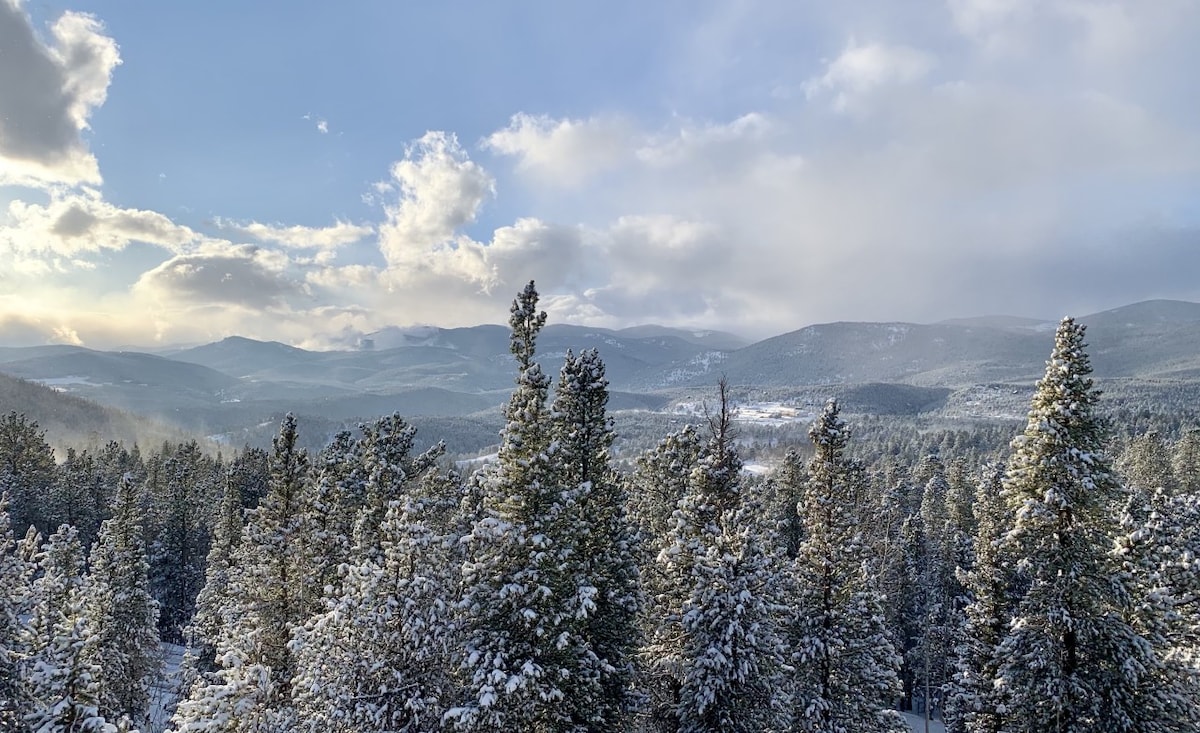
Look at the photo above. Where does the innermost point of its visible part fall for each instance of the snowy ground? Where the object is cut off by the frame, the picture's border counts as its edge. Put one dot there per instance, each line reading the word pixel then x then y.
pixel 165 690
pixel 917 723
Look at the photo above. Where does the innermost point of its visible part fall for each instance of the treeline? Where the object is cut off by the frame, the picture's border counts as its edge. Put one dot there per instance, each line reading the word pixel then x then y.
pixel 371 587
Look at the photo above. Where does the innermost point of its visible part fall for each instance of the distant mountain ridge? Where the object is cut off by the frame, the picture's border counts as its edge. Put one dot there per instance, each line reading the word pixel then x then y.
pixel 467 371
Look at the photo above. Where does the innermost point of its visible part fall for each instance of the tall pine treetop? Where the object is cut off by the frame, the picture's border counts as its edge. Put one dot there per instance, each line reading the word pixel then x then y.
pixel 526 321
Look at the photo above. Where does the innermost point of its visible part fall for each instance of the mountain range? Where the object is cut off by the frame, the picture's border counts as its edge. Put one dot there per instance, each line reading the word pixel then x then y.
pixel 238 384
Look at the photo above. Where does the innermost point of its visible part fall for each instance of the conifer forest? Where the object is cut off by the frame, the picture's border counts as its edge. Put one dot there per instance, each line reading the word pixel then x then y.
pixel 1046 580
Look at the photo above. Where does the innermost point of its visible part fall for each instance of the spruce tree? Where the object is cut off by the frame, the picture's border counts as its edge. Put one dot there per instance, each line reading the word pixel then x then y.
pixel 1071 661
pixel 846 667
pixel 27 472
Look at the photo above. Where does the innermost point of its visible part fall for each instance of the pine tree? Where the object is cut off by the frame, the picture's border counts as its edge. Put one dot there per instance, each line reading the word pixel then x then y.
pixel 61 678
pixel 938 591
pixel 1071 661
pixel 1185 462
pixel 205 629
pixel 584 434
pixel 1157 548
pixel 268 597
pixel 720 647
pixel 15 576
pixel 79 497
pixel 182 485
pixel 121 614
pixel 1146 464
pixel 846 666
pixel 657 485
pixel 27 472
pixel 526 659
pixel 973 701
pixel 381 657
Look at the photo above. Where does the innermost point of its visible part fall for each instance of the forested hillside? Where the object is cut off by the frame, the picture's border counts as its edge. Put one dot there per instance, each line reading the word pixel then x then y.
pixel 1037 579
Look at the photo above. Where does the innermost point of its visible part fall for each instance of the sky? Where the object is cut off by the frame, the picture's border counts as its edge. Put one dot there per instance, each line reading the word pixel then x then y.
pixel 175 173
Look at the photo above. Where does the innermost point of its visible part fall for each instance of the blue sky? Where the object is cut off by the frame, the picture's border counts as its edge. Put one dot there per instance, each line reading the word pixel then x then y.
pixel 311 172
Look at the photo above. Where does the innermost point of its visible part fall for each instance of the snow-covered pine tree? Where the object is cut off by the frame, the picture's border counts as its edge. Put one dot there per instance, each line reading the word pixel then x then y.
pixel 57 667
pixel 15 575
pixel 27 472
pixel 1185 462
pixel 182 484
pixel 1145 464
pixel 387 465
pixel 338 493
pixel 846 667
pixel 121 614
pixel 938 590
pixel 583 431
pixel 1158 547
pixel 205 629
pixel 974 703
pixel 381 657
pixel 79 497
pixel 1071 661
pixel 523 607
pixel 656 486
pixel 720 647
pixel 268 596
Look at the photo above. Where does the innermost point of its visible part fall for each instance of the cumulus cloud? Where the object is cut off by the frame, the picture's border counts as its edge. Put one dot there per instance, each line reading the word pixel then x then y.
pixel 78 223
pixel 225 274
pixel 439 190
pixel 47 94
pixel 566 151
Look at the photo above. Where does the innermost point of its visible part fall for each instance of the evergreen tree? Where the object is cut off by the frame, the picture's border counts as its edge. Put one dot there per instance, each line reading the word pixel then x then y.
pixel 58 669
pixel 584 434
pixel 1157 547
pixel 27 472
pixel 1185 462
pixel 268 597
pixel 657 485
pixel 15 575
pixel 938 591
pixel 214 598
pixel 182 486
pixel 1071 661
pixel 1146 464
pixel 720 646
pixel 78 496
pixel 846 666
pixel 525 603
pixel 973 701
pixel 121 614
pixel 381 657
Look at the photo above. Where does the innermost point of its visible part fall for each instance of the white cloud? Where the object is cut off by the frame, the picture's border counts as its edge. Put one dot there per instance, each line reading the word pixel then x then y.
pixel 440 190
pixel 302 237
pixel 77 223
pixel 45 107
pixel 861 69
pixel 566 151
pixel 222 273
